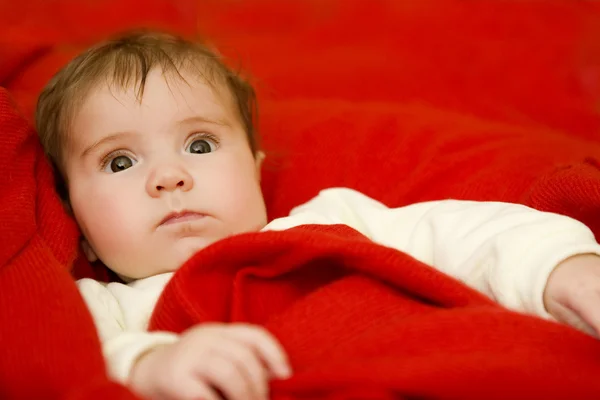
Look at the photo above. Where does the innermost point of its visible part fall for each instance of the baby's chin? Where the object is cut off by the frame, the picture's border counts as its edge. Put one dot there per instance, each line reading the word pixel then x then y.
pixel 186 248
pixel 171 257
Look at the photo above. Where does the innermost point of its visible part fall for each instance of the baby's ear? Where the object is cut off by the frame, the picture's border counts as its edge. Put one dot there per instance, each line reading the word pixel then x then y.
pixel 90 254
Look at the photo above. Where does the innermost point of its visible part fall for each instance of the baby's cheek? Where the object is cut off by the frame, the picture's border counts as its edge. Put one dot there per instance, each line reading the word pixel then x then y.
pixel 107 220
pixel 238 197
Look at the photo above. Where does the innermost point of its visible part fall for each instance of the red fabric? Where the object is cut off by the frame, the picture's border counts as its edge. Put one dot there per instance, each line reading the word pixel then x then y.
pixel 49 344
pixel 356 318
pixel 530 62
pixel 405 101
pixel 401 154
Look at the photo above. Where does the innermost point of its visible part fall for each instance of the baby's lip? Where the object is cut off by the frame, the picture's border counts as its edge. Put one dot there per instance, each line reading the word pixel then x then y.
pixel 180 216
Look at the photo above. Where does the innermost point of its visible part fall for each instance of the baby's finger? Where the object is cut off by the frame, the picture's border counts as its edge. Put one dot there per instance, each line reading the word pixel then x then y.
pixel 228 377
pixel 249 363
pixel 586 307
pixel 266 346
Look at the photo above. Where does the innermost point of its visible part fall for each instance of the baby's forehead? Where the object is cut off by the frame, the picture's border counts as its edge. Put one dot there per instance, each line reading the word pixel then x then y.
pixel 168 101
pixel 189 89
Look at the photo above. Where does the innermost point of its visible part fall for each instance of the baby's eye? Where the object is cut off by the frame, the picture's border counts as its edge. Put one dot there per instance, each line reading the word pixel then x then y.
pixel 202 146
pixel 119 163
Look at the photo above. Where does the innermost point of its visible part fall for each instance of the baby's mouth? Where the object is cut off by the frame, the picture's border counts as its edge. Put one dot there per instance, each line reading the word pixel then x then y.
pixel 181 216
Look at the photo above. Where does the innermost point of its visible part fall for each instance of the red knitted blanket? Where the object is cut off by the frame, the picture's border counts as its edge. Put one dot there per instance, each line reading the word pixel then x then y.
pixel 351 93
pixel 373 321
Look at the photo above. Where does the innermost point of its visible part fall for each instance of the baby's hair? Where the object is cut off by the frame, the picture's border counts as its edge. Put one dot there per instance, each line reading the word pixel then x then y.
pixel 124 62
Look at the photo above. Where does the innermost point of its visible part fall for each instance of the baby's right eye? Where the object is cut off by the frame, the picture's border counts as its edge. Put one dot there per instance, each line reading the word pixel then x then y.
pixel 118 163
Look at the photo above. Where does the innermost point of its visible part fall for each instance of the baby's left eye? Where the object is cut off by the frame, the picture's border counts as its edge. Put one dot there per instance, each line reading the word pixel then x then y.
pixel 202 146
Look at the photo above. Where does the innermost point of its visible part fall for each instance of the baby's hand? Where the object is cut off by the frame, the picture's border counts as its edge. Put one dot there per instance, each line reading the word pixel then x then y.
pixel 236 360
pixel 572 294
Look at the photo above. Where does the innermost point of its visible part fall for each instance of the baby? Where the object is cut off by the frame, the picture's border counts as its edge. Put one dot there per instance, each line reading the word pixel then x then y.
pixel 153 139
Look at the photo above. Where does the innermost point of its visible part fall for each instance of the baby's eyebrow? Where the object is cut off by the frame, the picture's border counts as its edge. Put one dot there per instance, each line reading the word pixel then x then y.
pixel 113 137
pixel 200 119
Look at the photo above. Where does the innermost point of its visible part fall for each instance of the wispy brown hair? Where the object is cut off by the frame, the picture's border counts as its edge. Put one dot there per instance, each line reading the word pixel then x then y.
pixel 124 62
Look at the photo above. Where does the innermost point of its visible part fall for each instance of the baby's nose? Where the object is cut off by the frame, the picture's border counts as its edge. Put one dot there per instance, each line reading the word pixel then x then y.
pixel 168 179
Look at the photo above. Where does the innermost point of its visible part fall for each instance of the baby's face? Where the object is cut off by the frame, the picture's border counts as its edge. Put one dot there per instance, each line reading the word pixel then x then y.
pixel 151 183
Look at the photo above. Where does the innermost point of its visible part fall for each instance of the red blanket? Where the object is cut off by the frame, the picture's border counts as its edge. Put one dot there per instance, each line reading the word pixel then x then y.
pixel 49 345
pixel 50 348
pixel 527 62
pixel 358 319
pixel 405 101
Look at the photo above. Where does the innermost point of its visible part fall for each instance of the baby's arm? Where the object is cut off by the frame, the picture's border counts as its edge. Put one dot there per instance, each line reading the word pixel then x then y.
pixel 236 359
pixel 506 251
pixel 121 314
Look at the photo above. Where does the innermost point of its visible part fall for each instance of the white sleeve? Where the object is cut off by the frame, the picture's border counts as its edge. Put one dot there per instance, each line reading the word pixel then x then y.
pixel 123 338
pixel 506 251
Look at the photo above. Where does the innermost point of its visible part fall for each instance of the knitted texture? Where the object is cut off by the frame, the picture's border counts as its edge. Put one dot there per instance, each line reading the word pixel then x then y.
pixel 49 344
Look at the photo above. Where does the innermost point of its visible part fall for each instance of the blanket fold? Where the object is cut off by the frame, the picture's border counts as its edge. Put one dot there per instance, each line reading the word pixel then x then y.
pixel 356 317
